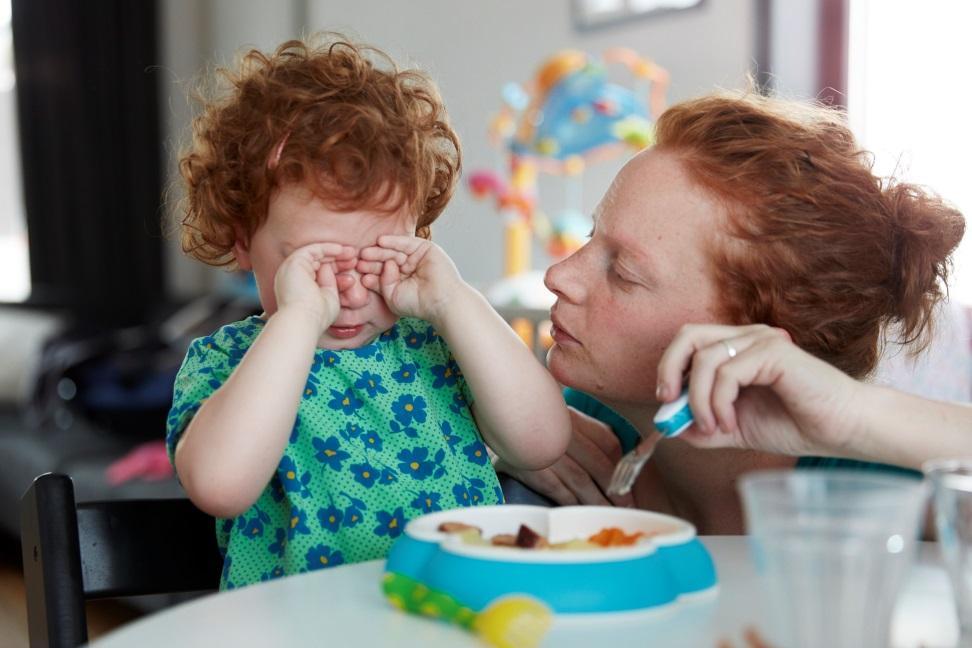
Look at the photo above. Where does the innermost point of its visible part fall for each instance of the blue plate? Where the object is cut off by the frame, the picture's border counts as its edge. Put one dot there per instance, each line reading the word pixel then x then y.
pixel 667 566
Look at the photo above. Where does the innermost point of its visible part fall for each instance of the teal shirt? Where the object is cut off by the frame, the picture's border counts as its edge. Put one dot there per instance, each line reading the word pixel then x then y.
pixel 383 433
pixel 628 436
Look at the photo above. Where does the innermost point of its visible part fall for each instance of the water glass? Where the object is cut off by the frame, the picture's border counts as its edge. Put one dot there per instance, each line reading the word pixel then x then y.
pixel 832 548
pixel 951 481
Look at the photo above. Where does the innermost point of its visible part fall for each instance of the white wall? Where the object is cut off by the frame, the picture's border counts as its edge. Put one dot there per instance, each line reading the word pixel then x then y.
pixel 471 49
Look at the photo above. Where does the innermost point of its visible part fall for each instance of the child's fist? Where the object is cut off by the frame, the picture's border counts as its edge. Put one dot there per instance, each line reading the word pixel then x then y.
pixel 309 278
pixel 413 275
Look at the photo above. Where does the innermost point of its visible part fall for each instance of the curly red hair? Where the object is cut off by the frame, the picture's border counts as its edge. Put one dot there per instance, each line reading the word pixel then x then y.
pixel 817 244
pixel 342 116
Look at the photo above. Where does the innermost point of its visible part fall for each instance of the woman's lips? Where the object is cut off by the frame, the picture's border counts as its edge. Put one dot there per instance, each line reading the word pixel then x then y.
pixel 560 336
pixel 345 332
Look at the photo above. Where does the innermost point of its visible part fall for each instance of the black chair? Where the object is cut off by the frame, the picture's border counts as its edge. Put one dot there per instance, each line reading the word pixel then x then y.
pixel 75 552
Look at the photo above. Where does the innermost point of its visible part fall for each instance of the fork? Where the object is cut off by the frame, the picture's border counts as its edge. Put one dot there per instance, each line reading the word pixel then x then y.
pixel 670 421
pixel 631 464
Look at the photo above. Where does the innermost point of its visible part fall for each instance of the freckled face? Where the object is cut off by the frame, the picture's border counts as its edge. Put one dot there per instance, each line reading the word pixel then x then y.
pixel 296 217
pixel 643 274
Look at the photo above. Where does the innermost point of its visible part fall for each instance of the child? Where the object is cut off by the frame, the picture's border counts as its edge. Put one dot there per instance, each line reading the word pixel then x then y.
pixel 315 431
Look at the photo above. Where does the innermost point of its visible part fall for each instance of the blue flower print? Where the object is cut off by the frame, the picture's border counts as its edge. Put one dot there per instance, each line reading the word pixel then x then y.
pixel 408 431
pixel 365 474
pixel 330 518
pixel 389 335
pixel 275 573
pixel 408 408
pixel 234 356
pixel 414 340
pixel 297 523
pixel 212 382
pixel 276 489
pixel 322 556
pixel 461 495
pixel 438 461
pixel 445 375
pixel 406 373
pixel 498 494
pixel 475 490
pixel 388 476
pixel 329 452
pixel 415 462
pixel 432 336
pixel 476 453
pixel 350 431
pixel 346 402
pixel 390 524
pixel 208 342
pixel 253 528
pixel 352 517
pixel 310 387
pixel 287 471
pixel 227 565
pixel 280 544
pixel 450 438
pixel 372 440
pixel 329 359
pixel 427 502
pixel 295 431
pixel 458 404
pixel 366 351
pixel 228 525
pixel 371 383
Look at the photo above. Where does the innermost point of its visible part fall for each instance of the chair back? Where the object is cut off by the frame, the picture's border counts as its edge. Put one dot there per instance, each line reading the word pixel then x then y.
pixel 74 552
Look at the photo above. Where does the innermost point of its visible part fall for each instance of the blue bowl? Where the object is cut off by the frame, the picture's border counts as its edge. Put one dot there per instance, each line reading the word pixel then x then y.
pixel 667 566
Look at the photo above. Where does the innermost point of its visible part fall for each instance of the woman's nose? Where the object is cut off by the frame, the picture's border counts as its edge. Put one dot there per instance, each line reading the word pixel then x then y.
pixel 355 295
pixel 564 279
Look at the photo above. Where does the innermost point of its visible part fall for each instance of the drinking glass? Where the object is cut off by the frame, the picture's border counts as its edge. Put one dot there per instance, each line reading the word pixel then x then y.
pixel 951 482
pixel 832 548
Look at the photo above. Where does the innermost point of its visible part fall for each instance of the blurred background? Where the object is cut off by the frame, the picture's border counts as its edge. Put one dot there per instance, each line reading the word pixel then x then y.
pixel 97 301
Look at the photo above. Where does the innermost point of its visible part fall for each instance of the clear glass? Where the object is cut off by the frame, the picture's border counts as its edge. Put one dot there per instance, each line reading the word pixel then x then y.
pixel 951 481
pixel 832 547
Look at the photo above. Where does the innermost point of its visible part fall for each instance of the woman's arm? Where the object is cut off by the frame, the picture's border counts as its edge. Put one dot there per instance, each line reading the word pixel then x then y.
pixel 771 395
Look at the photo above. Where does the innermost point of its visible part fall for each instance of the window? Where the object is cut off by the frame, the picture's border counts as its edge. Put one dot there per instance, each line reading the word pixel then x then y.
pixel 14 267
pixel 908 100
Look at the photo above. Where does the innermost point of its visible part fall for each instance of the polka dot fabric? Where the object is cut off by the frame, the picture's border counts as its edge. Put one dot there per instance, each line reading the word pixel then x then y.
pixel 383 434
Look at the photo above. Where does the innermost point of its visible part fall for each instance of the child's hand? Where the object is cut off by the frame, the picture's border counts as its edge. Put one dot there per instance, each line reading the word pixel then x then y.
pixel 309 279
pixel 414 276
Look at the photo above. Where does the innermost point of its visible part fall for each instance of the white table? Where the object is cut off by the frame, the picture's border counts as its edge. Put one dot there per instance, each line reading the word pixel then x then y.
pixel 344 606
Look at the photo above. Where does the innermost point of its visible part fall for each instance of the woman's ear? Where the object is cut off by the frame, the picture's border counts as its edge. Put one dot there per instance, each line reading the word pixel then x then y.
pixel 241 251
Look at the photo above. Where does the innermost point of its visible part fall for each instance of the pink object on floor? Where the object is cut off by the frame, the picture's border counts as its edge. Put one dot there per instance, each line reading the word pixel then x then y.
pixel 148 461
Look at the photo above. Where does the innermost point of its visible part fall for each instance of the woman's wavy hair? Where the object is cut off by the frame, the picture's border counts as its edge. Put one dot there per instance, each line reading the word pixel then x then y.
pixel 817 244
pixel 341 116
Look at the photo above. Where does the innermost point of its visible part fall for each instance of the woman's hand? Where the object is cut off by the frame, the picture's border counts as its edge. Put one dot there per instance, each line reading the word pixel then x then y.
pixel 751 387
pixel 310 278
pixel 414 276
pixel 582 475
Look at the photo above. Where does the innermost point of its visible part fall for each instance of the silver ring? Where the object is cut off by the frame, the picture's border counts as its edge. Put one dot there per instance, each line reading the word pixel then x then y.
pixel 731 350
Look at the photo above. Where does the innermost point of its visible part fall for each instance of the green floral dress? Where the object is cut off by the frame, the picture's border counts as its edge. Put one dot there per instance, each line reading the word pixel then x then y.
pixel 383 434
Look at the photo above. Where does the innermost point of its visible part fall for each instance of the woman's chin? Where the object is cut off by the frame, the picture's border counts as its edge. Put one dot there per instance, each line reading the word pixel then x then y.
pixel 559 367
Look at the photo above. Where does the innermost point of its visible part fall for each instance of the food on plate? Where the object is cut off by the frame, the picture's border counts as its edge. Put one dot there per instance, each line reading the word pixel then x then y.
pixel 527 538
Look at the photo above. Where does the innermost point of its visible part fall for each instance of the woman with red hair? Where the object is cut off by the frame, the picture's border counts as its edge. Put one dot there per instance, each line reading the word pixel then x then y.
pixel 760 223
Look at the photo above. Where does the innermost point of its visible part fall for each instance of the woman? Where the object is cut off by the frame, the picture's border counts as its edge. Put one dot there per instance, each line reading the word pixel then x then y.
pixel 747 210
